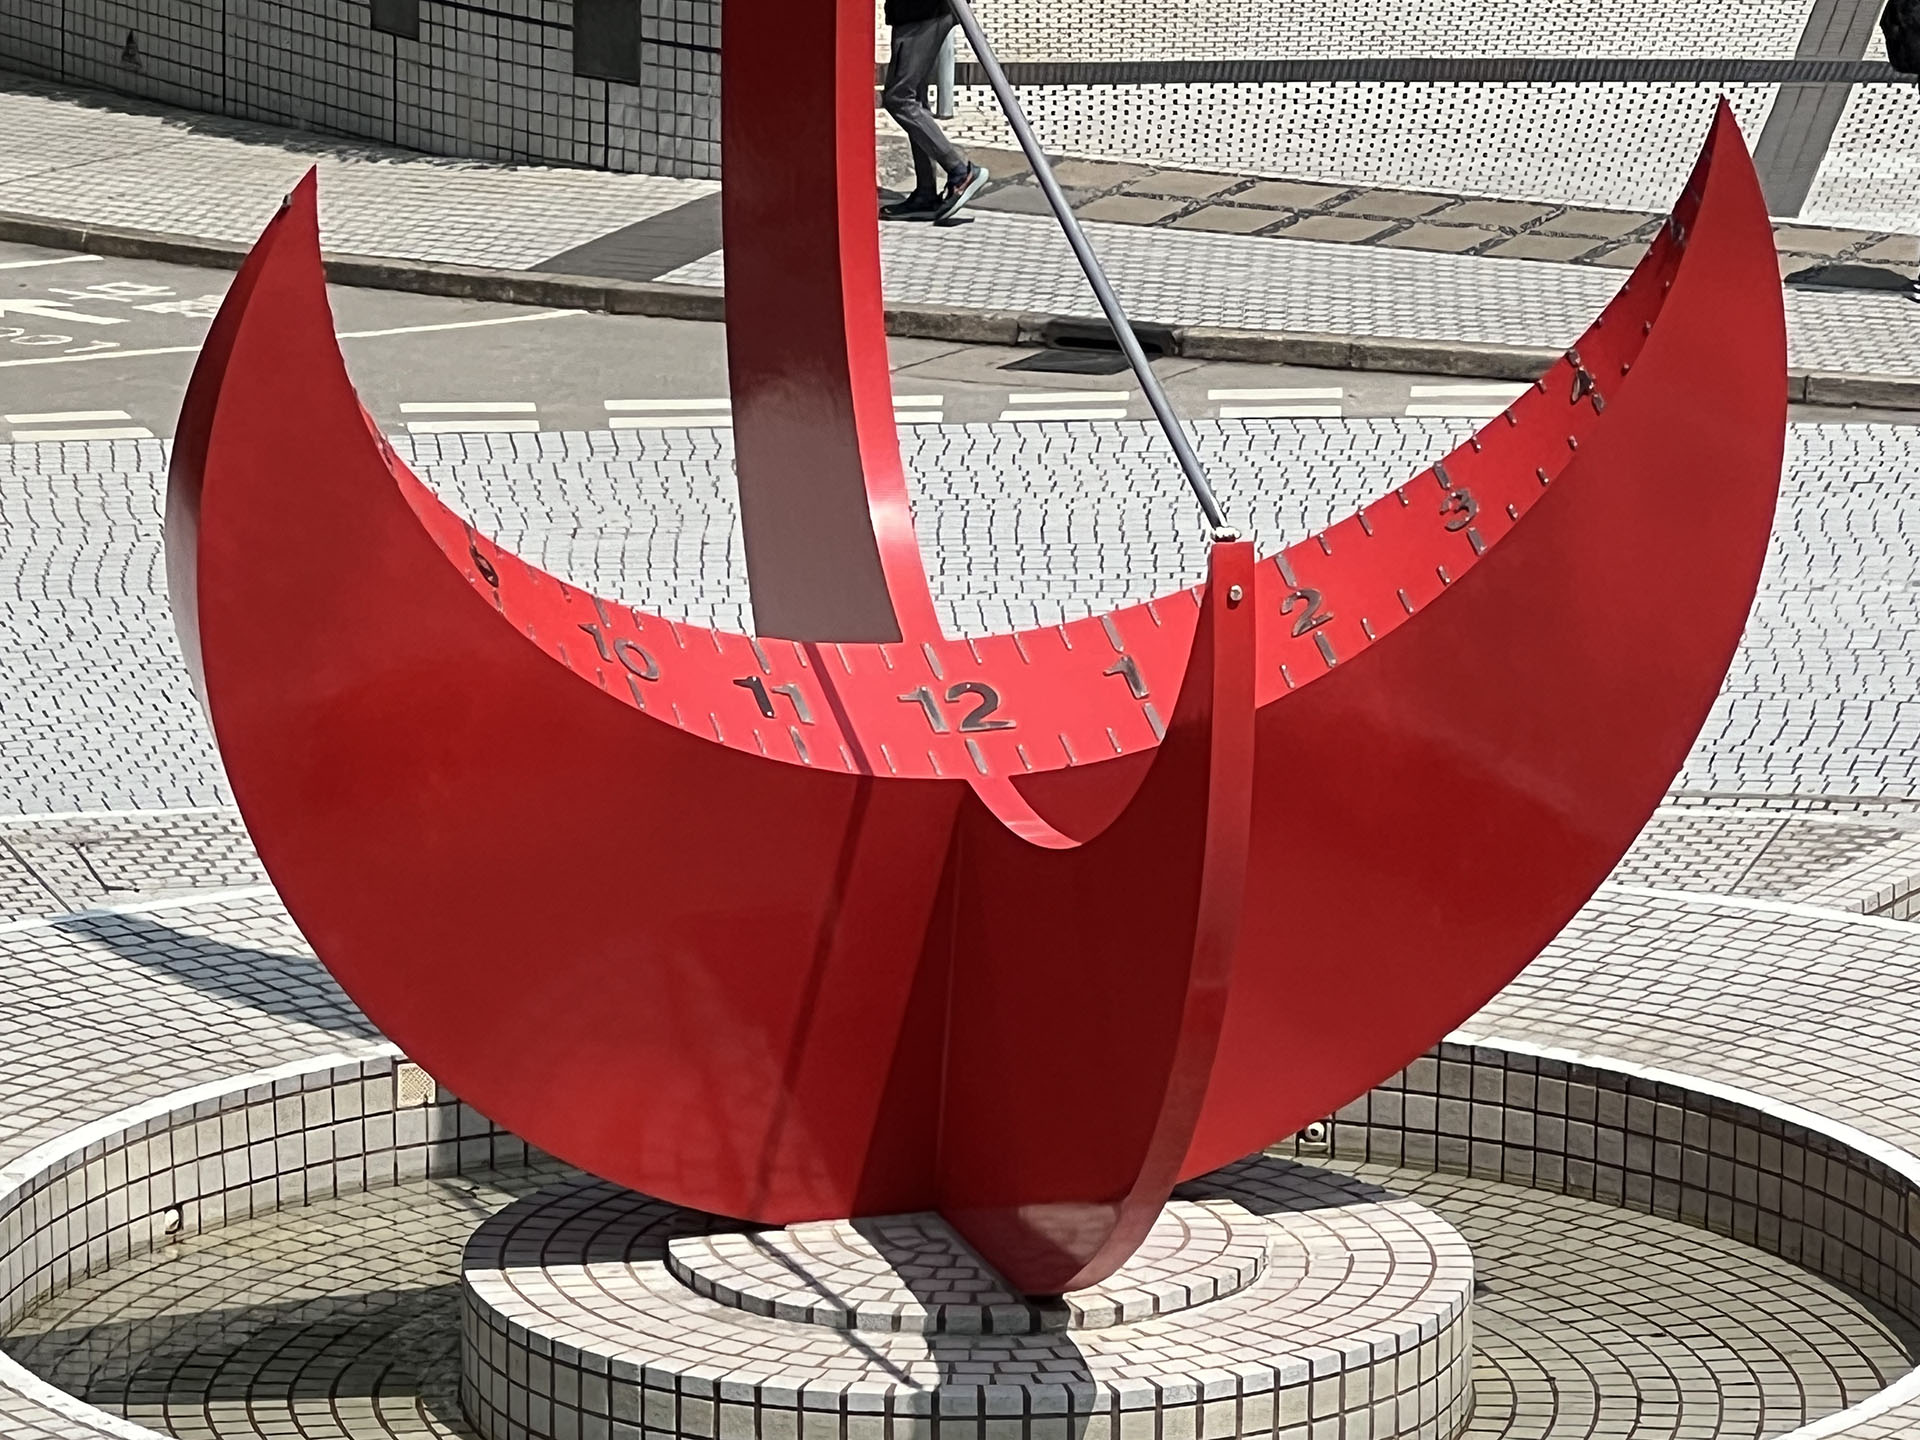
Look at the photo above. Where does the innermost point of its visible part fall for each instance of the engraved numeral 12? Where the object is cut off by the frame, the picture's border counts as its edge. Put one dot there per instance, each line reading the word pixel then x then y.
pixel 975 720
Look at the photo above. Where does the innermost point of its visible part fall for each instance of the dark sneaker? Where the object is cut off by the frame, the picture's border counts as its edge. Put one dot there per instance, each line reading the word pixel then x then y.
pixel 914 207
pixel 961 189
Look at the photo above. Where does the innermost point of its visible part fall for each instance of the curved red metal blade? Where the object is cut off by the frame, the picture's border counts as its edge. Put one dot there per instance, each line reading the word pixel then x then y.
pixel 829 536
pixel 668 960
pixel 1433 811
pixel 1088 985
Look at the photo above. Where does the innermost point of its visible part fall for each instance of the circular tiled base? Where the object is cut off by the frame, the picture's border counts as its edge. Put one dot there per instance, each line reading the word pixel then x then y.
pixel 911 1272
pixel 578 1316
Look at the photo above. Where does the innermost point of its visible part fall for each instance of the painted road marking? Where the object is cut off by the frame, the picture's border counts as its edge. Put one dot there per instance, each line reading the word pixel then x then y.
pixel 111 432
pixel 1066 405
pixel 1462 402
pixel 457 325
pixel 919 409
pixel 472 427
pixel 342 335
pixel 59 311
pixel 62 260
pixel 66 417
pixel 65 421
pixel 480 410
pixel 1286 402
pixel 616 406
pixel 468 407
pixel 709 413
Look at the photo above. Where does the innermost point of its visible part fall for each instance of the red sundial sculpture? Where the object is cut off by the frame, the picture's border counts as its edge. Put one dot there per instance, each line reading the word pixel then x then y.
pixel 853 917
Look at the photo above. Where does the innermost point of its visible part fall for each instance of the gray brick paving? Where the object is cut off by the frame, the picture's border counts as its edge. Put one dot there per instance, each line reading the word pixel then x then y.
pixel 1241 204
pixel 1871 173
pixel 1615 145
pixel 82 861
pixel 1842 853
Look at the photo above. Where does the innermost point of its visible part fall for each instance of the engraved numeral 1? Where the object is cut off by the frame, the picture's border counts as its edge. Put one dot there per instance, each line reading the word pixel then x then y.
pixel 763 694
pixel 923 697
pixel 1126 668
pixel 760 696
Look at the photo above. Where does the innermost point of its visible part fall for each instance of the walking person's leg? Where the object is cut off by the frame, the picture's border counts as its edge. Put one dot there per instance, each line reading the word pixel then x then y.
pixel 916 51
pixel 900 95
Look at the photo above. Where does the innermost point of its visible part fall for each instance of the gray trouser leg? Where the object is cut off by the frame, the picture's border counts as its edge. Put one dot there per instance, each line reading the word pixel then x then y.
pixel 916 50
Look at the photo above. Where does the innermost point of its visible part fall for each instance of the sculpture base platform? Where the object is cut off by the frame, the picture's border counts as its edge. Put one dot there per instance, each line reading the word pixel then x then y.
pixel 1272 1299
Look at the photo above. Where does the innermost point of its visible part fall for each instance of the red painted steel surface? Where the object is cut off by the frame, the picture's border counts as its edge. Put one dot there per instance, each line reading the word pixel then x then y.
pixel 806 927
pixel 829 536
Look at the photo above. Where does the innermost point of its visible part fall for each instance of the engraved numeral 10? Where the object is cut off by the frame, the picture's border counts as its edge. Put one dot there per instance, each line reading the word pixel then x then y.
pixel 631 655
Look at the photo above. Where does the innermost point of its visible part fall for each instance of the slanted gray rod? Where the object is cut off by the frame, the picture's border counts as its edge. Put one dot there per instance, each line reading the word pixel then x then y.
pixel 1096 277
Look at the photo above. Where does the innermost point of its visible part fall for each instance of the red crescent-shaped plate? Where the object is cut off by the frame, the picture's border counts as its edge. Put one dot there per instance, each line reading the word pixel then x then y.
pixel 1024 928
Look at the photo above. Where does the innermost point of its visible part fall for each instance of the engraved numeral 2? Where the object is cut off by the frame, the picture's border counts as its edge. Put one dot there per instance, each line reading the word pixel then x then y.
pixel 1307 601
pixel 976 718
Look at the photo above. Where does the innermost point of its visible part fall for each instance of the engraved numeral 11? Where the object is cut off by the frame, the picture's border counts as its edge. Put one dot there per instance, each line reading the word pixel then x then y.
pixel 763 697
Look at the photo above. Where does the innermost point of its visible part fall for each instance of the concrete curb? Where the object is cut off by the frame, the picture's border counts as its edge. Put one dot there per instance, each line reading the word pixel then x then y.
pixel 923 322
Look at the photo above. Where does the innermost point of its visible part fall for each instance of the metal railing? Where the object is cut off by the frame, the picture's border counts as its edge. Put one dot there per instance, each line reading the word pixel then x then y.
pixel 943 80
pixel 1096 277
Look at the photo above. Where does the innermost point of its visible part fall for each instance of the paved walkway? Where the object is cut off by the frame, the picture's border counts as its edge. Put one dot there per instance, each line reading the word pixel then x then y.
pixel 142 166
pixel 1830 153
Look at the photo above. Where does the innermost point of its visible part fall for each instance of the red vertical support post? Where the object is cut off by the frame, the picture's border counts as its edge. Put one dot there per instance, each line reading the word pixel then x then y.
pixel 823 504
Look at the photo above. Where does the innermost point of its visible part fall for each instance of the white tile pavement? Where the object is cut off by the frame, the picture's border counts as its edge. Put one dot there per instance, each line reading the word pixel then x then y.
pixel 1615 146
pixel 1130 30
pixel 1020 262
pixel 143 166
pixel 133 164
pixel 1799 1003
pixel 1020 524
pixel 1870 178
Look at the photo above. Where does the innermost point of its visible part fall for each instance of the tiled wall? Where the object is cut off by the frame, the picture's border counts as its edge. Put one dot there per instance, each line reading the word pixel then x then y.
pixel 1650 1146
pixel 1360 1329
pixel 1788 1188
pixel 301 1138
pixel 491 81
